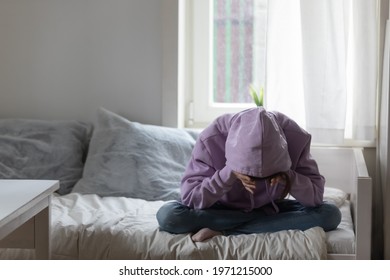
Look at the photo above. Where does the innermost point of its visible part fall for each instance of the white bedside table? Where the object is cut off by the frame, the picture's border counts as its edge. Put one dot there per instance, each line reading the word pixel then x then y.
pixel 25 214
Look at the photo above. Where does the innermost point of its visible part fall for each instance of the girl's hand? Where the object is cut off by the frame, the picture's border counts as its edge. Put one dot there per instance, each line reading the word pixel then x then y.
pixel 247 181
pixel 277 179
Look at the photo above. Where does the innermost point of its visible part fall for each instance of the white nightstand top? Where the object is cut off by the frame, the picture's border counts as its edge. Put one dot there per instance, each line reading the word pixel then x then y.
pixel 17 195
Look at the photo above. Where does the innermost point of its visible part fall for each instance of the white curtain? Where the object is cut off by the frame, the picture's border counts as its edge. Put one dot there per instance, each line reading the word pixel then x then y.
pixel 322 66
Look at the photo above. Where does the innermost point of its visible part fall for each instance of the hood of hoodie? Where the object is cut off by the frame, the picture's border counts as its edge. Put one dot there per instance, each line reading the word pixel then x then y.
pixel 256 145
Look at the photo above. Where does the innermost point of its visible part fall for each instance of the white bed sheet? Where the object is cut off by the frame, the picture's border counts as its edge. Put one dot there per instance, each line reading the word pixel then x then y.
pixel 126 228
pixel 342 240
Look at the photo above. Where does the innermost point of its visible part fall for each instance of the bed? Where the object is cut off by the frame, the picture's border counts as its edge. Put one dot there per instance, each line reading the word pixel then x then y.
pixel 115 175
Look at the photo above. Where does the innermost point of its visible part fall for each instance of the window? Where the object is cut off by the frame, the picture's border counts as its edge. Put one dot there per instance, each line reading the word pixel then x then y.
pixel 317 61
pixel 229 41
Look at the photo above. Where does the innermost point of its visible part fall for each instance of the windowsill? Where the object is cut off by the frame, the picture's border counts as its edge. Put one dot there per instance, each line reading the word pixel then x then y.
pixel 347 143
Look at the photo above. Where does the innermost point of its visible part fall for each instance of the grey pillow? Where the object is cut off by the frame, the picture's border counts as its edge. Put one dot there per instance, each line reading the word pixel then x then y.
pixel 43 149
pixel 135 160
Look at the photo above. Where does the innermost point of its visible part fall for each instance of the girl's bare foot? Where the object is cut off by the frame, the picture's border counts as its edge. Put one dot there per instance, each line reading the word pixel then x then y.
pixel 204 234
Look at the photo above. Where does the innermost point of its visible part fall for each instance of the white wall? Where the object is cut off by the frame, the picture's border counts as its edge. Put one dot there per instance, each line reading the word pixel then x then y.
pixel 64 59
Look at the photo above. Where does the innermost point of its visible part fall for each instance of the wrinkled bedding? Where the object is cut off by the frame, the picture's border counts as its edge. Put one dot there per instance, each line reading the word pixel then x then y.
pixel 93 227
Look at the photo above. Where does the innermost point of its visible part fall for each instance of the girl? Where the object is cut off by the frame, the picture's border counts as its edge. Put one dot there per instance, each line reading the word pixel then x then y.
pixel 243 170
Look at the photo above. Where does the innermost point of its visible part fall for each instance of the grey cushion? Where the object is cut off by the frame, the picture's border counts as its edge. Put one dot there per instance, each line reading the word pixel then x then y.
pixel 135 160
pixel 40 149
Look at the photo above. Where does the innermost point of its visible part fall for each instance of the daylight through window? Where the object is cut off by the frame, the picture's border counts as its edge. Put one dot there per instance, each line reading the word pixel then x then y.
pixel 239 41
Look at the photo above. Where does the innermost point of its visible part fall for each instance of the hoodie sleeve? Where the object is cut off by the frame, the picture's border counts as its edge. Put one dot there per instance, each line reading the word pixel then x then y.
pixel 307 183
pixel 203 183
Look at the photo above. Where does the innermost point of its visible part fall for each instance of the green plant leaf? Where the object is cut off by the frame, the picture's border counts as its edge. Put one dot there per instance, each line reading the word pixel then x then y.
pixel 261 96
pixel 257 97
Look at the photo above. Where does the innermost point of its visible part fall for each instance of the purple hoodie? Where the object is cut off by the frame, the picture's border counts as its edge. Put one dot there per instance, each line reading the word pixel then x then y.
pixel 256 143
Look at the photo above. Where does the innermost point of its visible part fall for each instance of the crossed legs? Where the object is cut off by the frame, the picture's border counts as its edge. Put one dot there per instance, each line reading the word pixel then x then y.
pixel 175 217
